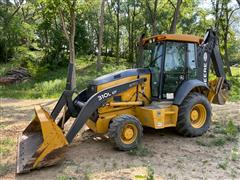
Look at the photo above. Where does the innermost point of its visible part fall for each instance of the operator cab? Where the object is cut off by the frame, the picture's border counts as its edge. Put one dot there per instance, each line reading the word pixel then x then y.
pixel 171 62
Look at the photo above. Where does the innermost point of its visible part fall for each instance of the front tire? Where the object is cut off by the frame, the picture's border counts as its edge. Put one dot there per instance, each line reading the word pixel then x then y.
pixel 194 117
pixel 126 131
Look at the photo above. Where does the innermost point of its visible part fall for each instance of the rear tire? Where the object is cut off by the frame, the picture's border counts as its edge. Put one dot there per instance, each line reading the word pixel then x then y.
pixel 126 131
pixel 194 117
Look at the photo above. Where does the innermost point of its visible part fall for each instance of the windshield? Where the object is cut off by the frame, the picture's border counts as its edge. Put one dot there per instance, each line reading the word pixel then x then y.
pixel 150 54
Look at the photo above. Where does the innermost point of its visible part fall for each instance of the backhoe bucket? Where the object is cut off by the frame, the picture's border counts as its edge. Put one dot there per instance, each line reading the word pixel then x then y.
pixel 220 97
pixel 217 94
pixel 42 143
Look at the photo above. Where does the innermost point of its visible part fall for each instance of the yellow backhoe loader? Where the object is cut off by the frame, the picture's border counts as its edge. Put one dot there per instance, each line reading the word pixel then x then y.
pixel 170 89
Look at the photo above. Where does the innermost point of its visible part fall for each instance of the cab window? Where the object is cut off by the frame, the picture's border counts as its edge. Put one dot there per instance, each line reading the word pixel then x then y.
pixel 191 60
pixel 175 56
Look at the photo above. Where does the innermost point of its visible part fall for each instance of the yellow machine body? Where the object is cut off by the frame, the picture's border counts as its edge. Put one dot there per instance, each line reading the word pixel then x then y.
pixel 155 116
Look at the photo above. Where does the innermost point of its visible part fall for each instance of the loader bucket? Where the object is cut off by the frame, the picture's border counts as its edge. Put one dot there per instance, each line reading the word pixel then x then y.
pixel 41 144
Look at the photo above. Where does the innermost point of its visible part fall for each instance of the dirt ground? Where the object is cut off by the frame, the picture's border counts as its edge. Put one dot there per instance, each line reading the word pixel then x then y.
pixel 164 154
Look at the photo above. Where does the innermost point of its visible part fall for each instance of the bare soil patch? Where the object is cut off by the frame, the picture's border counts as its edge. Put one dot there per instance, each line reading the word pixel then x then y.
pixel 163 153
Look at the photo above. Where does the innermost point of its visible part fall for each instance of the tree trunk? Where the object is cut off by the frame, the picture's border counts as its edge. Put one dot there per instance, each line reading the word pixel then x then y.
pixel 132 32
pixel 73 62
pixel 117 48
pixel 226 56
pixel 154 23
pixel 129 34
pixel 226 46
pixel 175 18
pixel 140 49
pixel 101 29
pixel 71 77
pixel 153 15
pixel 72 54
pixel 217 17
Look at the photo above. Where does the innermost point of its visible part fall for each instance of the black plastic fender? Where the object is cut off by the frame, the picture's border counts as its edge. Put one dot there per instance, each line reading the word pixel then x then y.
pixel 186 88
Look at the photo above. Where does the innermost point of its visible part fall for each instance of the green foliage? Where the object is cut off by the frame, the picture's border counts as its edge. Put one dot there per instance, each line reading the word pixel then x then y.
pixel 235 82
pixel 13 31
pixel 38 24
pixel 234 93
pixel 223 165
pixel 32 60
pixel 220 141
pixel 150 175
pixel 140 151
pixel 231 130
pixel 223 133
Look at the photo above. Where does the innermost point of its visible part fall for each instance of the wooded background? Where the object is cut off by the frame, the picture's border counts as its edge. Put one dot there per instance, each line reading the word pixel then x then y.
pixel 47 33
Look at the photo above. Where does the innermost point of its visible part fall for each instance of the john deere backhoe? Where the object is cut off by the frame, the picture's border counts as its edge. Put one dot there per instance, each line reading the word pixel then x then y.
pixel 170 90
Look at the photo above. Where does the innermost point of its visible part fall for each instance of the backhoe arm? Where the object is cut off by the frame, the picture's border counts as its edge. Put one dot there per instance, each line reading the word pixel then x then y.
pixel 208 52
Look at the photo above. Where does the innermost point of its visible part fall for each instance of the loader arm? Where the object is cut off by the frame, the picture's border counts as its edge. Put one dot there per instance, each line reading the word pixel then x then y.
pixel 43 142
pixel 97 100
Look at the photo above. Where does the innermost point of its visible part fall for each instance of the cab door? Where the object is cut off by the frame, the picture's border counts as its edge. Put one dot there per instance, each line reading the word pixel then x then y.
pixel 174 68
pixel 156 70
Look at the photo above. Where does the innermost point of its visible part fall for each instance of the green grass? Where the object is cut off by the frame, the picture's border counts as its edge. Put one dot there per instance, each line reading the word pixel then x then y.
pixel 150 173
pixel 4 168
pixel 223 133
pixel 234 94
pixel 2 126
pixel 140 151
pixel 51 84
pixel 223 165
pixel 65 177
pixel 201 143
pixel 220 141
pixel 228 129
pixel 6 145
pixel 140 177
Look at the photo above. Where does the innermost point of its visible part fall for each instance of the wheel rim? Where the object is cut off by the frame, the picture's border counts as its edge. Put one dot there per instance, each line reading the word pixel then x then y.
pixel 198 115
pixel 129 133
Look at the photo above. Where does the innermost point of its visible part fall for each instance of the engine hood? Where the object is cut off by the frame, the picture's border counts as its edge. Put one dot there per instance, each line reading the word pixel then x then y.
pixel 119 75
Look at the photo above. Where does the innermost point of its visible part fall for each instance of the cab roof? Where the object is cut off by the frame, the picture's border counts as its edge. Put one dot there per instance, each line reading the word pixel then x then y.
pixel 173 37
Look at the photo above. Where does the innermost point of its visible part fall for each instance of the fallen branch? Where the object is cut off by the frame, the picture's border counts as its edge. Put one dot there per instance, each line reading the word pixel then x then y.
pixel 15 75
